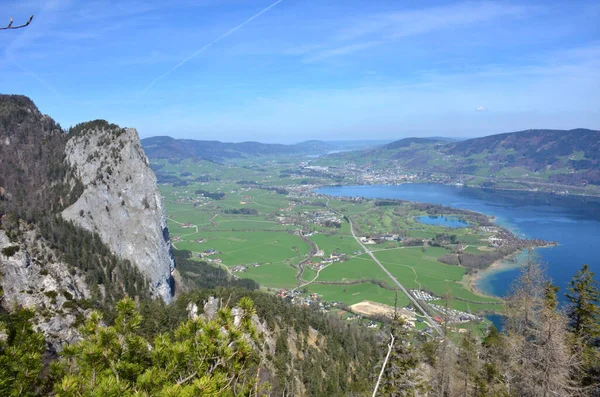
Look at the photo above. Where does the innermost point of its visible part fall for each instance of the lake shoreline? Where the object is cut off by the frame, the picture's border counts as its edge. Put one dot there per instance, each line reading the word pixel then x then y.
pixel 498 189
pixel 471 281
pixel 507 263
pixel 571 221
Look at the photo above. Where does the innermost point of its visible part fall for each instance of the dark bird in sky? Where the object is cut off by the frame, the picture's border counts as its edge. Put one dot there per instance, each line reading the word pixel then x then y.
pixel 9 26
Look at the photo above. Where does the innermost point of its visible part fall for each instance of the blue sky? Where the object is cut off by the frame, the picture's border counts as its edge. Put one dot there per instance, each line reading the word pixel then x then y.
pixel 292 70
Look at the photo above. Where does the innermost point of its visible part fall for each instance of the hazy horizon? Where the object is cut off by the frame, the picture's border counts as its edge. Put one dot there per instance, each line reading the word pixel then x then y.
pixel 288 71
pixel 357 140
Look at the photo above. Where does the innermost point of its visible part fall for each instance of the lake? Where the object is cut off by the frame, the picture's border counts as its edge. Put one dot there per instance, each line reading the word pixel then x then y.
pixel 436 220
pixel 574 222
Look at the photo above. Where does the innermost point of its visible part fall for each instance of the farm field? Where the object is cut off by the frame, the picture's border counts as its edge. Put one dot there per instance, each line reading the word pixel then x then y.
pixel 355 293
pixel 421 270
pixel 259 223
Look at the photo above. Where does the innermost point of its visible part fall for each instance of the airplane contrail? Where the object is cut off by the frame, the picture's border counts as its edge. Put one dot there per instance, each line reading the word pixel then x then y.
pixel 210 45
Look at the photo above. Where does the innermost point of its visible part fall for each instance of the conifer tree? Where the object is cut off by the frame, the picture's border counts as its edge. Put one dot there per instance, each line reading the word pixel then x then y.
pixel 584 323
pixel 204 358
pixel 584 299
pixel 21 349
pixel 540 361
pixel 401 376
pixel 494 373
pixel 468 361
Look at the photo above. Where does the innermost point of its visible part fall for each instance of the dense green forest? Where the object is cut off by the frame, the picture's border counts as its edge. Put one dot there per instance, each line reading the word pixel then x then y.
pixel 156 349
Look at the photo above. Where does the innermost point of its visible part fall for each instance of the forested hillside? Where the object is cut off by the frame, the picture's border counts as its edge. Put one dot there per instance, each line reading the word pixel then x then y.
pixel 230 342
pixel 164 147
pixel 533 157
pixel 576 151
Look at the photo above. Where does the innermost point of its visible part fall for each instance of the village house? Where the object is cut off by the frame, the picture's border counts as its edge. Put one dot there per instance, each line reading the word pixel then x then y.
pixel 319 253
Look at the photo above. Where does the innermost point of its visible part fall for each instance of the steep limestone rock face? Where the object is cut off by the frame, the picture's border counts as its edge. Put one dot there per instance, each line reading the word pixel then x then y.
pixel 49 287
pixel 121 201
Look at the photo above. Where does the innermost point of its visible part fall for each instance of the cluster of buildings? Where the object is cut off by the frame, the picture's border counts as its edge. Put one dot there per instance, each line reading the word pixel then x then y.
pixel 207 253
pixel 332 258
pixel 453 315
pixel 381 239
pixel 324 218
pixel 243 268
pixel 422 295
pixel 384 177
pixel 294 297
pixel 489 229
pixel 187 197
pixel 320 218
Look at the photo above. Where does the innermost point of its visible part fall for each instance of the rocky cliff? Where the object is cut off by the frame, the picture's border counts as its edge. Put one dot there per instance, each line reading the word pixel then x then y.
pixel 33 278
pixel 121 201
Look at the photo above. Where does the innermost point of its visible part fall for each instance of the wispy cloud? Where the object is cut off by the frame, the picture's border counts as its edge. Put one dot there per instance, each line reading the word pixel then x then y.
pixel 425 20
pixel 343 50
pixel 372 30
pixel 309 66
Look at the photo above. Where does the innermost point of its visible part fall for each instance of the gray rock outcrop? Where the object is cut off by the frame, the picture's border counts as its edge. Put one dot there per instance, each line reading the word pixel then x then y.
pixel 121 202
pixel 49 287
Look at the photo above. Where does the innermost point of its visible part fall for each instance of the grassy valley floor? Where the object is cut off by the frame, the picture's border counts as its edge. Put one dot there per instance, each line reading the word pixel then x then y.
pixel 259 222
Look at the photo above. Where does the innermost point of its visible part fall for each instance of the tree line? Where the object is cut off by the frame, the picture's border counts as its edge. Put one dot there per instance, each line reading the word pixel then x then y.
pixel 544 349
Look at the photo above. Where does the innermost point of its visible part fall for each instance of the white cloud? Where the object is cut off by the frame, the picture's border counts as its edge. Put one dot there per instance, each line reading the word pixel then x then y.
pixel 425 20
pixel 343 50
pixel 379 28
pixel 481 109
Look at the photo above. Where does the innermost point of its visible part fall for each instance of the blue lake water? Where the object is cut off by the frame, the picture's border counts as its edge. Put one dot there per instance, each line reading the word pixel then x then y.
pixel 574 222
pixel 497 320
pixel 444 221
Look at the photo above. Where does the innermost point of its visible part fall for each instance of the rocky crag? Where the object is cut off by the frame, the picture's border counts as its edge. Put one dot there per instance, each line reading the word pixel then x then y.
pixel 121 201
pixel 81 219
pixel 50 288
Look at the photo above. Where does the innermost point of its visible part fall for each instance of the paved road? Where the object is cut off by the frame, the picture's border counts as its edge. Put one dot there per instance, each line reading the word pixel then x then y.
pixel 431 322
pixel 416 304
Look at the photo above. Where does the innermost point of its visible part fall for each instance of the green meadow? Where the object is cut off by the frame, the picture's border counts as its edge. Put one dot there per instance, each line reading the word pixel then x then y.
pixel 354 269
pixel 259 237
pixel 355 293
pixel 422 270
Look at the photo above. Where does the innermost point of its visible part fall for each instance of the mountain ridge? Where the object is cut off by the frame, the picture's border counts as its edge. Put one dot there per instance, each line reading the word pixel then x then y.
pixel 566 157
pixel 165 147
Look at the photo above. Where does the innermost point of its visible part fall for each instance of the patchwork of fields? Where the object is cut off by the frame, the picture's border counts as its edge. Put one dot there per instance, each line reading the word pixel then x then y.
pixel 296 239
